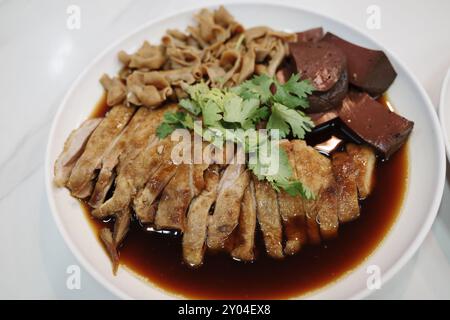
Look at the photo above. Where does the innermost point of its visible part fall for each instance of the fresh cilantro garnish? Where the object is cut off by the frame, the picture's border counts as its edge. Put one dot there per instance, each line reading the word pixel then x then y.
pixel 257 88
pixel 172 121
pixel 293 93
pixel 242 108
pixel 285 119
pixel 281 178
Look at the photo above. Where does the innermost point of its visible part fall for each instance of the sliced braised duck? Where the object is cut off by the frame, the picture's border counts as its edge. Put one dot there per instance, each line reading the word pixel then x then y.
pixel 82 177
pixel 269 219
pixel 73 148
pixel 245 238
pixel 345 173
pixel 194 238
pixel 175 199
pixel 314 171
pixel 225 218
pixel 133 137
pixel 134 175
pixel 112 240
pixel 364 161
pixel 144 203
pixel 292 210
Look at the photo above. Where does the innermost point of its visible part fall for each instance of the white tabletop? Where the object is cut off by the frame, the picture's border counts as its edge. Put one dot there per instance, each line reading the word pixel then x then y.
pixel 40 57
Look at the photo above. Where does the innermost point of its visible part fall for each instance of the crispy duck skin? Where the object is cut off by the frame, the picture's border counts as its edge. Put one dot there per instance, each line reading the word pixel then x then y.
pixel 133 176
pixel 228 205
pixel 345 173
pixel 291 210
pixel 268 215
pixel 81 179
pixel 194 237
pixel 244 247
pixel 73 148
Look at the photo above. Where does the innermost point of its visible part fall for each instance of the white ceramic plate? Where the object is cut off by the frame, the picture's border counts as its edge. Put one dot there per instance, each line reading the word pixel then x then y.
pixel 444 111
pixel 427 156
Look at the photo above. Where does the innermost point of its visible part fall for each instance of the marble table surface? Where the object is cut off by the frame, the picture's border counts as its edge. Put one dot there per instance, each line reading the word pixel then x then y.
pixel 39 59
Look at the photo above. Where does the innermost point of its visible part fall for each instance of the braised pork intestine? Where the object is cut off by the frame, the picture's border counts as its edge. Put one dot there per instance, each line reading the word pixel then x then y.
pixel 217 50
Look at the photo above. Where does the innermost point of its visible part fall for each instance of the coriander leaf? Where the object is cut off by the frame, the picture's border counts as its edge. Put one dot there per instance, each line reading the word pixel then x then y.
pixel 190 106
pixel 277 122
pixel 282 117
pixel 282 178
pixel 256 88
pixel 296 188
pixel 252 113
pixel 293 93
pixel 164 130
pixel 172 121
pixel 232 106
pixel 173 117
pixel 211 114
pixel 196 90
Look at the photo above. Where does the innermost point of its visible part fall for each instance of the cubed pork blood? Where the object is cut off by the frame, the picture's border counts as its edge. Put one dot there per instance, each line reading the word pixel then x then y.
pixel 369 70
pixel 322 63
pixel 310 35
pixel 374 123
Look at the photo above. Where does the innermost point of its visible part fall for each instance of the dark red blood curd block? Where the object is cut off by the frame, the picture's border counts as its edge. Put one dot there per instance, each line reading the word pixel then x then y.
pixel 374 123
pixel 369 70
pixel 310 35
pixel 322 63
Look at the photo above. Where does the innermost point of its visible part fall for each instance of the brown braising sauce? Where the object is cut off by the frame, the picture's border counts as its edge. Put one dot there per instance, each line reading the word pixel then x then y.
pixel 158 257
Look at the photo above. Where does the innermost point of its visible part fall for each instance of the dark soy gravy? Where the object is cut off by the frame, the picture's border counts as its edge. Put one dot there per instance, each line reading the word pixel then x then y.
pixel 158 257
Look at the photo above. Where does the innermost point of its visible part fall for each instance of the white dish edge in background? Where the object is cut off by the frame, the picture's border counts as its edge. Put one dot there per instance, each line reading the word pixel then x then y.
pixel 84 94
pixel 444 111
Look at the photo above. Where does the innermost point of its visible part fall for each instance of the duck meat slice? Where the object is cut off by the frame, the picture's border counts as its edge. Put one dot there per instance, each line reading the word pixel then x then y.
pixel 73 148
pixel 81 178
pixel 245 239
pixel 291 210
pixel 194 236
pixel 111 158
pixel 133 138
pixel 345 174
pixel 364 161
pixel 112 240
pixel 228 205
pixel 144 202
pixel 268 215
pixel 327 214
pixel 315 172
pixel 177 195
pixel 106 237
pixel 133 176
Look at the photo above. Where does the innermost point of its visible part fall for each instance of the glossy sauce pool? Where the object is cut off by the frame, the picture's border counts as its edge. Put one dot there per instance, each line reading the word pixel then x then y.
pixel 158 257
